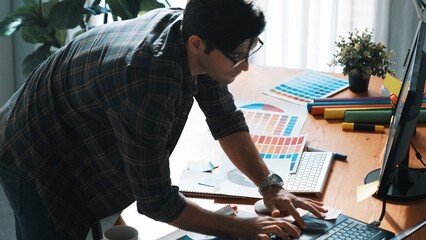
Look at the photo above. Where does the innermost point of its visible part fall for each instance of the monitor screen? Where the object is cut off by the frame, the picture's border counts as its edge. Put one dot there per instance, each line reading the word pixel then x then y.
pixel 396 180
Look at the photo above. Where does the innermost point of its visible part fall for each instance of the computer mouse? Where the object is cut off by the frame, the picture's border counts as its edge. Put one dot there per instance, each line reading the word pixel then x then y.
pixel 260 208
pixel 313 227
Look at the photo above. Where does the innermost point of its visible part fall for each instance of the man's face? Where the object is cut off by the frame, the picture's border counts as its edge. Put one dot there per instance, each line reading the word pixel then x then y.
pixel 224 67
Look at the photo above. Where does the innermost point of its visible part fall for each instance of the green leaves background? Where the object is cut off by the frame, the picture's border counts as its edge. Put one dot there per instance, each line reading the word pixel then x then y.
pixel 46 22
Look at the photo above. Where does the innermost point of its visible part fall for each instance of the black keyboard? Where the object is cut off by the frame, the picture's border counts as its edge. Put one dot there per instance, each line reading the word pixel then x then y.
pixel 351 229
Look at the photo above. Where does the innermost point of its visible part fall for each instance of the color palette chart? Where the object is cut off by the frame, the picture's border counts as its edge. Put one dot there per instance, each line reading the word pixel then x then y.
pixel 287 148
pixel 272 123
pixel 267 119
pixel 275 133
pixel 306 86
pixel 262 107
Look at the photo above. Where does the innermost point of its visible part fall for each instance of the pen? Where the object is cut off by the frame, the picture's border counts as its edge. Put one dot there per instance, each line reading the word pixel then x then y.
pixel 363 127
pixel 337 156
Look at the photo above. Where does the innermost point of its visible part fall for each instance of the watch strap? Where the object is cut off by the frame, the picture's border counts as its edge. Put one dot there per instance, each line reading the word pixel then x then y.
pixel 272 180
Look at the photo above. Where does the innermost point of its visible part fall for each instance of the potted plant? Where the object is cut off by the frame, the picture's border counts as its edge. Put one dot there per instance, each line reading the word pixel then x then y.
pixel 46 22
pixel 362 58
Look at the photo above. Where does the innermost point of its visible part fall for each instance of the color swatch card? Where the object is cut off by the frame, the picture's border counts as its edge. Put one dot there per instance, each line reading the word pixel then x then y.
pixel 270 119
pixel 275 133
pixel 273 123
pixel 306 86
pixel 283 148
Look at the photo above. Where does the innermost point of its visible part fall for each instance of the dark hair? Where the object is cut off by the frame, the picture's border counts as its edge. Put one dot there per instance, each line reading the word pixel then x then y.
pixel 224 24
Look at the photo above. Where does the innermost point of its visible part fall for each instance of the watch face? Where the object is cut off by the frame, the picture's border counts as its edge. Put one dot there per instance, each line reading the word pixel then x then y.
pixel 275 178
pixel 272 180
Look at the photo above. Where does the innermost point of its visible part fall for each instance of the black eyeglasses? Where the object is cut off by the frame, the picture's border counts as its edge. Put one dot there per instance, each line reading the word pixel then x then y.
pixel 245 59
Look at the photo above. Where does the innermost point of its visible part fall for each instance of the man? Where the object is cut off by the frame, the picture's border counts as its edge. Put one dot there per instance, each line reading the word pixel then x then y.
pixel 93 127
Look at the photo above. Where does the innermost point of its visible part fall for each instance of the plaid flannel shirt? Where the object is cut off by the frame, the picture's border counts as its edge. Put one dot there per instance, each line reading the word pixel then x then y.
pixel 94 125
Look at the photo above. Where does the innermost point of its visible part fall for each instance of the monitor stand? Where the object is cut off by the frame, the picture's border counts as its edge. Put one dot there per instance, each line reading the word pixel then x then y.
pixel 407 183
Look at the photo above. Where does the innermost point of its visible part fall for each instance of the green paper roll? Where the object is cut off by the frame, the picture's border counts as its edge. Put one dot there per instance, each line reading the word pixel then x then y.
pixel 376 116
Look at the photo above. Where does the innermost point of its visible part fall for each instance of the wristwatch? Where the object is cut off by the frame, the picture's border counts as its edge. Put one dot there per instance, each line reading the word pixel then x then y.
pixel 273 180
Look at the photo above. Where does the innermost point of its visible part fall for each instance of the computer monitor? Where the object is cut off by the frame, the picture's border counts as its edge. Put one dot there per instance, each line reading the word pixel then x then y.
pixel 397 181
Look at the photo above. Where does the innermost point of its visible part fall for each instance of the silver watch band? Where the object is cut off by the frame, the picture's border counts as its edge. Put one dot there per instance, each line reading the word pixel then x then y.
pixel 272 180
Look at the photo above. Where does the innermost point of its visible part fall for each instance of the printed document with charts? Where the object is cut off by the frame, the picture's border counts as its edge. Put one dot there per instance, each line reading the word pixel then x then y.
pixel 281 148
pixel 229 182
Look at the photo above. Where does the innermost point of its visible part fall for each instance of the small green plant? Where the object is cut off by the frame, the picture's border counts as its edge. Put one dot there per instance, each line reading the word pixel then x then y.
pixel 46 22
pixel 360 56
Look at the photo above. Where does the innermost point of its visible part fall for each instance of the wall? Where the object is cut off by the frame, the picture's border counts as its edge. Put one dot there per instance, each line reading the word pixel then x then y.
pixel 6 60
pixel 13 51
pixel 402 27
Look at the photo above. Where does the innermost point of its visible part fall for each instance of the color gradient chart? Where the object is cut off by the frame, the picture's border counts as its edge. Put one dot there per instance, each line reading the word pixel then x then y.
pixel 286 148
pixel 262 107
pixel 306 86
pixel 273 123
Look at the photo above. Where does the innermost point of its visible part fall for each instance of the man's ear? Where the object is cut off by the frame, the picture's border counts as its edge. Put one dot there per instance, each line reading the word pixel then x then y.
pixel 196 44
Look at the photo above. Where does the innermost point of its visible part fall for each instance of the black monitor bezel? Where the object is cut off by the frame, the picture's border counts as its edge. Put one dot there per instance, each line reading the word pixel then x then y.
pixel 394 180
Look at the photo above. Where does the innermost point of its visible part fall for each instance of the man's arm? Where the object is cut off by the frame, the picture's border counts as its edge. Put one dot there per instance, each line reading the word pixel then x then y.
pixel 196 219
pixel 239 147
pixel 229 127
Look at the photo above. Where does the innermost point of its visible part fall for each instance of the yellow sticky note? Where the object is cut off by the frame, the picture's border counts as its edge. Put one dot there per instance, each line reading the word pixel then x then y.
pixel 392 84
pixel 367 190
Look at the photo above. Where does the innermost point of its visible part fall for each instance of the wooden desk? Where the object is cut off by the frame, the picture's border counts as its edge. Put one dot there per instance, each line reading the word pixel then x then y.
pixel 363 150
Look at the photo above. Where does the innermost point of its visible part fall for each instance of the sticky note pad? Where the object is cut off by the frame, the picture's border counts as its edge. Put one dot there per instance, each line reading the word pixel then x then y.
pixel 392 84
pixel 367 190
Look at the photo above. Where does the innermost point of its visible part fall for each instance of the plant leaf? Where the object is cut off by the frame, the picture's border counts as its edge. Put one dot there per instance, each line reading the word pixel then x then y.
pixel 66 14
pixel 76 34
pixel 30 2
pixel 60 36
pixel 148 5
pixel 15 20
pixel 36 34
pixel 10 25
pixel 96 10
pixel 46 7
pixel 126 9
pixel 35 58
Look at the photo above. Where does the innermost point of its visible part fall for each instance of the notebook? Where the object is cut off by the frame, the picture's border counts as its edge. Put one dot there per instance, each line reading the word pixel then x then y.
pixel 227 182
pixel 201 185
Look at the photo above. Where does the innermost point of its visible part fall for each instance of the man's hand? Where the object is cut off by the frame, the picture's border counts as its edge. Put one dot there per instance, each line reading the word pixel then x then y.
pixel 265 227
pixel 280 202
